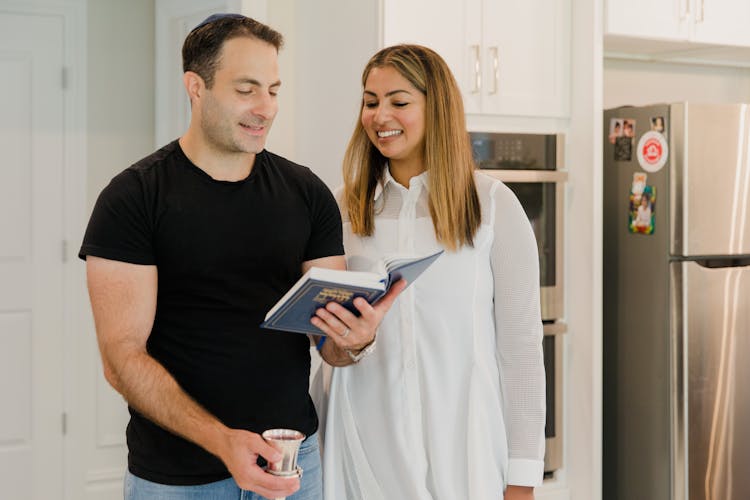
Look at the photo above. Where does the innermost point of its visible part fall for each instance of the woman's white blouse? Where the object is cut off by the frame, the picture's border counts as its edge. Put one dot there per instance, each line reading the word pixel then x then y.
pixel 451 405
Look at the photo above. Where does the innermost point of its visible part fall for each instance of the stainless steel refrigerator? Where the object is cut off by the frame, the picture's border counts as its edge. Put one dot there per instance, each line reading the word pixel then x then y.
pixel 676 361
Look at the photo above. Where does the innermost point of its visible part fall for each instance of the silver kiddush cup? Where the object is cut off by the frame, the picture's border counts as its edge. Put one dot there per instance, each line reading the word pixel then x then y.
pixel 287 441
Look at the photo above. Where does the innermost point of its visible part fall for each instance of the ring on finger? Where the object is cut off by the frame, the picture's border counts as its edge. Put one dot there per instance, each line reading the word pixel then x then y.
pixel 346 332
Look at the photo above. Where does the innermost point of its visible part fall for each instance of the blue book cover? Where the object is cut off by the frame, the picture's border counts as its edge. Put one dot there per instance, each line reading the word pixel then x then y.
pixel 318 286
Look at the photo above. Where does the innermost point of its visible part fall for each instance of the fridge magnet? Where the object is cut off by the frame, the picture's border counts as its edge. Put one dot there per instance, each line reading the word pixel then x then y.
pixel 623 148
pixel 652 151
pixel 642 207
pixel 615 129
pixel 622 131
pixel 628 127
pixel 639 183
pixel 657 124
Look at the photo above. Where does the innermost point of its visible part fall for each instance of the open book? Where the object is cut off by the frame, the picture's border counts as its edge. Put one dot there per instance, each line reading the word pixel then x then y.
pixel 319 286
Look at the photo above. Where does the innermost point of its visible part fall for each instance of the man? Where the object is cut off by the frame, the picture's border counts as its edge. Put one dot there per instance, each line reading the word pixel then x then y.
pixel 186 250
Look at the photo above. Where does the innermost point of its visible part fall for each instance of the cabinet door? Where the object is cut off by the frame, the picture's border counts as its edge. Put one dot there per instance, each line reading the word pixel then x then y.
pixel 723 22
pixel 526 51
pixel 437 24
pixel 657 19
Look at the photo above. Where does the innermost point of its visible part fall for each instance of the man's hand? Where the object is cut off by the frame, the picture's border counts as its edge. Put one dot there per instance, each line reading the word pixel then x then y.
pixel 239 451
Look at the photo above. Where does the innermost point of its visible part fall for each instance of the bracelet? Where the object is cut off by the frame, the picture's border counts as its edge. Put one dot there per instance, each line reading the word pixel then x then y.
pixel 364 352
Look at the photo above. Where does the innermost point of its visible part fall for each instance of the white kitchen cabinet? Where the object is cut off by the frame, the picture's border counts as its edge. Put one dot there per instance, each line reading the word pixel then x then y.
pixel 723 22
pixel 510 57
pixel 517 57
pixel 716 22
pixel 437 24
pixel 658 19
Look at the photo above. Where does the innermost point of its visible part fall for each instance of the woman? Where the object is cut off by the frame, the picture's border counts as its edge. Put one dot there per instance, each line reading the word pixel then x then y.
pixel 451 403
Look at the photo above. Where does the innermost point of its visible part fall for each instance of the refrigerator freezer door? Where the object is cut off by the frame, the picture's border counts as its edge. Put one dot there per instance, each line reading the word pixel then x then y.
pixel 710 179
pixel 711 377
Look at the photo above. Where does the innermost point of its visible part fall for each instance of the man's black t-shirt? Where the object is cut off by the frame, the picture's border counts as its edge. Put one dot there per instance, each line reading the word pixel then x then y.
pixel 225 253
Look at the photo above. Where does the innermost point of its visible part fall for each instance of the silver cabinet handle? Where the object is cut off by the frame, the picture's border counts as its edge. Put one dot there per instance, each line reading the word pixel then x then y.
pixel 494 54
pixel 477 70
pixel 685 10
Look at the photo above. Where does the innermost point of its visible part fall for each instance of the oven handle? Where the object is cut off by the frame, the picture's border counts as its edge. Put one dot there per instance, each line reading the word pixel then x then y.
pixel 555 328
pixel 527 175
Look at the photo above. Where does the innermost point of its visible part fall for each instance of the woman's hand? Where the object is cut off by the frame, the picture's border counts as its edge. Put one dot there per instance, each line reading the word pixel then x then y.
pixel 353 333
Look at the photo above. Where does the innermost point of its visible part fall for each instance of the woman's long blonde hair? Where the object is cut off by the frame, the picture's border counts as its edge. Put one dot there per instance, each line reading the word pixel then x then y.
pixel 454 203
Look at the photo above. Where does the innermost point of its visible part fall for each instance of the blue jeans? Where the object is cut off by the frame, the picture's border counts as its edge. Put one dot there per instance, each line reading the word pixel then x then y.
pixel 311 484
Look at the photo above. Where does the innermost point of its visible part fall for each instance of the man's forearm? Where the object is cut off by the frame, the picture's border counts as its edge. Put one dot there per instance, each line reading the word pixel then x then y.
pixel 149 388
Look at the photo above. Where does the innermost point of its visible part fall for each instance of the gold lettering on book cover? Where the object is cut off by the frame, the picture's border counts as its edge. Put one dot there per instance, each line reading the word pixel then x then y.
pixel 327 295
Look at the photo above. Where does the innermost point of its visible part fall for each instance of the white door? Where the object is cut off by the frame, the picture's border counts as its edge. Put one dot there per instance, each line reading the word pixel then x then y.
pixel 31 233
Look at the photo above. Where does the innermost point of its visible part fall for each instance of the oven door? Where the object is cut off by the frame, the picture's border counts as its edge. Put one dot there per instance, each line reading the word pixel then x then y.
pixel 541 194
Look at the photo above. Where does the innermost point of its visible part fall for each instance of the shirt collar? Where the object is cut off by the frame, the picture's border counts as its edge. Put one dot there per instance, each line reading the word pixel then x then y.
pixel 388 179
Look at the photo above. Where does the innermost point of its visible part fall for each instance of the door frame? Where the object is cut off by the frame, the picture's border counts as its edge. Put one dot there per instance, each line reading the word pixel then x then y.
pixel 74 331
pixel 78 324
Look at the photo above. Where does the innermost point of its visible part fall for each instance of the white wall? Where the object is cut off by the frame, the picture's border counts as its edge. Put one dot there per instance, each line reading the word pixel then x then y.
pixel 281 17
pixel 327 102
pixel 638 83
pixel 120 83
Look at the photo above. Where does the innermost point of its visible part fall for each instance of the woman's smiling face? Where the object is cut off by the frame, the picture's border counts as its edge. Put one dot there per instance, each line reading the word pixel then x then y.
pixel 393 115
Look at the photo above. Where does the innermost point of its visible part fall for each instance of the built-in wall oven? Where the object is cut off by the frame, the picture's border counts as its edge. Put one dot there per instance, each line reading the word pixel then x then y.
pixel 532 166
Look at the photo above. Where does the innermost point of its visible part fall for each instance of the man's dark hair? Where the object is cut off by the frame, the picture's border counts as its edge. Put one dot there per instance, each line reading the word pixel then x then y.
pixel 202 47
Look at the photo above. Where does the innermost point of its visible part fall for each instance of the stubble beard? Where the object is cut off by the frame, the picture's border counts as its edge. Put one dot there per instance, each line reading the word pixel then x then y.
pixel 219 136
pixel 221 132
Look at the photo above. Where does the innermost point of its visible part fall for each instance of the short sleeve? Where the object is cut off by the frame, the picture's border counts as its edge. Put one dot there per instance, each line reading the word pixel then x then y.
pixel 326 237
pixel 120 227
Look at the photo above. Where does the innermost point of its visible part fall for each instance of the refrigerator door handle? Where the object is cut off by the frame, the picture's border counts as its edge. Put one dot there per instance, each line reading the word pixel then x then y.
pixel 721 262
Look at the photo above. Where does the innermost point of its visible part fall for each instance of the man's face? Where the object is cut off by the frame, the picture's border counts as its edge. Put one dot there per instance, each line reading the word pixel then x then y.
pixel 237 112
